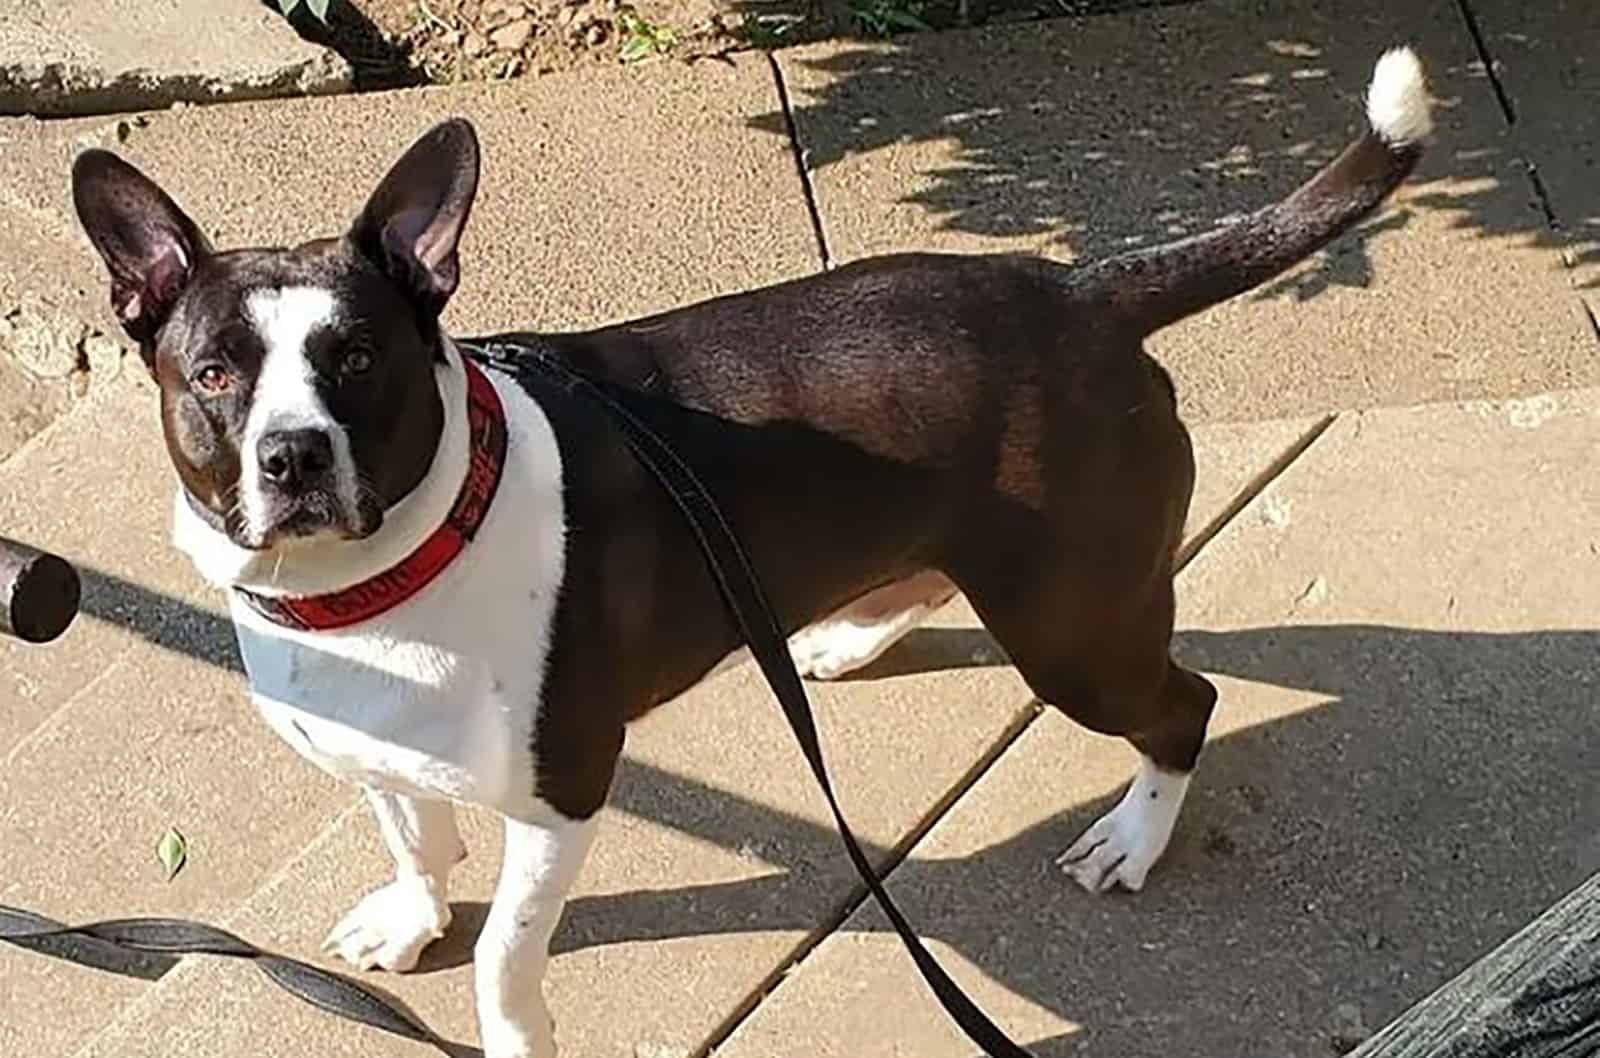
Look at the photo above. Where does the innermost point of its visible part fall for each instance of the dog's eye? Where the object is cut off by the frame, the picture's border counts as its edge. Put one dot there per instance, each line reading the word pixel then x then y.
pixel 212 379
pixel 356 362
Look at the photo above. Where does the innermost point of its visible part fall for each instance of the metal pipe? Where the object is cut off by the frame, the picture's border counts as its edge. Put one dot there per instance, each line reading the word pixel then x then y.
pixel 39 592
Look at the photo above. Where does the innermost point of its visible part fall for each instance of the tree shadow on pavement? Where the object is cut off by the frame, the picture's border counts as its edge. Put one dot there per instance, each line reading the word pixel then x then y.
pixel 1085 137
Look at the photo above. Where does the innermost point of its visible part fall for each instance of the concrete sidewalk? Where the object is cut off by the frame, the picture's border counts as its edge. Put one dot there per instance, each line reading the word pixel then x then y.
pixel 1393 600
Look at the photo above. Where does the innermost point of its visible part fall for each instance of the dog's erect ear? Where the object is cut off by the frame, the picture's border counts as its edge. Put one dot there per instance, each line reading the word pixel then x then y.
pixel 148 244
pixel 412 224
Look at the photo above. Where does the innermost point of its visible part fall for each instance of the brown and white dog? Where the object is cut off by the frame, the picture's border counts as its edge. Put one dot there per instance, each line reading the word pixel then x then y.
pixel 451 581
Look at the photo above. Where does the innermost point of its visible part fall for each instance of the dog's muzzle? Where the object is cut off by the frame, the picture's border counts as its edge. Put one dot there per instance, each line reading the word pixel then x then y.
pixel 300 493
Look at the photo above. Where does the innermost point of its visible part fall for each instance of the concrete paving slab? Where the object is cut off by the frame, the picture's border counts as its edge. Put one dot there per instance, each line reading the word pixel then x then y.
pixel 1400 774
pixel 712 869
pixel 116 55
pixel 620 192
pixel 1545 58
pixel 1082 137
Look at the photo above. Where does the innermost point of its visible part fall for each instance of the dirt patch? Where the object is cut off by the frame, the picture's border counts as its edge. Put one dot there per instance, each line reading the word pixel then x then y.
pixel 398 42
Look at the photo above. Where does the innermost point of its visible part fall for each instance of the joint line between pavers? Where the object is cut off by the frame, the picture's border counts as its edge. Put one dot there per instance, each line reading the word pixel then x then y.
pixel 859 894
pixel 798 151
pixel 1258 484
pixel 1470 17
pixel 56 715
pixel 1541 194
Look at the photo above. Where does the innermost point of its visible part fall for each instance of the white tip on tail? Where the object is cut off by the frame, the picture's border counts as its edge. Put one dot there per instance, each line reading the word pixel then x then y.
pixel 1397 99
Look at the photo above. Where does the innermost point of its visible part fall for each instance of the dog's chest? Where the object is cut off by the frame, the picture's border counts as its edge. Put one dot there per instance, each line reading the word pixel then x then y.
pixel 426 703
pixel 407 715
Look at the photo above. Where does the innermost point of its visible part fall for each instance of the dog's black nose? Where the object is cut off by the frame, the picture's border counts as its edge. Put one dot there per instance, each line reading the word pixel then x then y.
pixel 295 459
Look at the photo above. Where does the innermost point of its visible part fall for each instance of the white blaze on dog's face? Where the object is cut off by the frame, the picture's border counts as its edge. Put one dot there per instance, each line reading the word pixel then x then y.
pixel 297 472
pixel 299 396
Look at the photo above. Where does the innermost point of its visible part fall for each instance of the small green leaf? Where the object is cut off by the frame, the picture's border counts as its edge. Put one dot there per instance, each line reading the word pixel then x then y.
pixel 286 6
pixel 173 852
pixel 642 39
pixel 319 8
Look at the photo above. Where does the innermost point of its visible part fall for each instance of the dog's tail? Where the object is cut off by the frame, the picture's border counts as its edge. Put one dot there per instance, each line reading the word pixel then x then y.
pixel 1152 288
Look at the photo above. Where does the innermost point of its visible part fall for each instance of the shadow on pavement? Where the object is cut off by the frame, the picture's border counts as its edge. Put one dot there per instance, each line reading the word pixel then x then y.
pixel 1065 136
pixel 1352 855
pixel 159 619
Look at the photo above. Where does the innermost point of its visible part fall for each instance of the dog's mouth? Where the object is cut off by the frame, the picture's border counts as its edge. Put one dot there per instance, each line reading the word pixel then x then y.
pixel 317 514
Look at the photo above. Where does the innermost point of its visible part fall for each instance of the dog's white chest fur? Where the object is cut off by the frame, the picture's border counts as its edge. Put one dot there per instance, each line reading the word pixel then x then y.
pixel 437 697
pixel 405 714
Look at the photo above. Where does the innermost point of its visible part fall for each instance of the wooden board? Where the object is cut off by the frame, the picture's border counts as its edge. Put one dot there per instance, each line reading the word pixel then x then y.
pixel 1535 996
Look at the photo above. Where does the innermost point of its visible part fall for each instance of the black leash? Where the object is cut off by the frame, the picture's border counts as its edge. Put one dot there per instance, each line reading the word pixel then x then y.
pixel 741 590
pixel 159 937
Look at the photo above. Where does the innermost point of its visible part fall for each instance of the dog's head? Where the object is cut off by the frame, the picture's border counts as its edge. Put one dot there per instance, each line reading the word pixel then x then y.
pixel 298 389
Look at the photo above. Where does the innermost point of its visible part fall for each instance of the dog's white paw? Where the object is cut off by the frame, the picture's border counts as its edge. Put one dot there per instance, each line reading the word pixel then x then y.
pixel 861 632
pixel 831 648
pixel 391 926
pixel 1127 841
pixel 827 651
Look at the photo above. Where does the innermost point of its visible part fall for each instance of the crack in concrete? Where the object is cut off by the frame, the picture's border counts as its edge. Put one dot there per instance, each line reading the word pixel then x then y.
pixel 49 343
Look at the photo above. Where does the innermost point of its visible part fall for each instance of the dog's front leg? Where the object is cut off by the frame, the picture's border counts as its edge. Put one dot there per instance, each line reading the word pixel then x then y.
pixel 541 862
pixel 391 926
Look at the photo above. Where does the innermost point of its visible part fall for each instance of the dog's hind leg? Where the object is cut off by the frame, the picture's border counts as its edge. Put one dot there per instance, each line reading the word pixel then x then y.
pixel 392 925
pixel 1122 846
pixel 859 633
pixel 1096 647
pixel 542 860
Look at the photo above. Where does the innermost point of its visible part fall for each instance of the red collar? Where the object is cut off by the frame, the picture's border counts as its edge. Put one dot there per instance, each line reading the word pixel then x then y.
pixel 486 421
